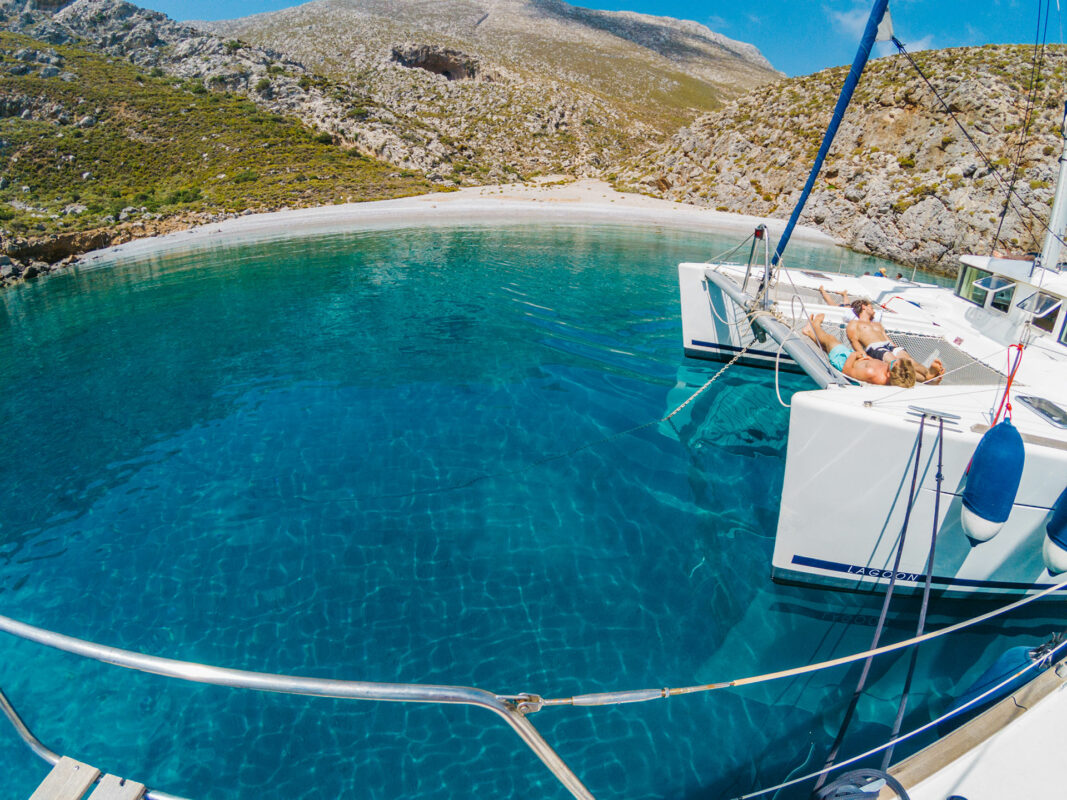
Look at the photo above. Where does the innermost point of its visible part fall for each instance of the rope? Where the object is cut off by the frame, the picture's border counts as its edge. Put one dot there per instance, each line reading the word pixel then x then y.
pixel 1011 377
pixel 862 682
pixel 922 728
pixel 749 315
pixel 644 695
pixel 861 784
pixel 921 625
pixel 777 363
pixel 781 346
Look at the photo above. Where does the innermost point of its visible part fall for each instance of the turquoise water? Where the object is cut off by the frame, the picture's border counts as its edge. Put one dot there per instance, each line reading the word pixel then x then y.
pixel 335 457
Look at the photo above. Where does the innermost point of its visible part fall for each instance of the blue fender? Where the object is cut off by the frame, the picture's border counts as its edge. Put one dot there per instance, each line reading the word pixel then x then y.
pixel 1054 550
pixel 993 481
pixel 1057 526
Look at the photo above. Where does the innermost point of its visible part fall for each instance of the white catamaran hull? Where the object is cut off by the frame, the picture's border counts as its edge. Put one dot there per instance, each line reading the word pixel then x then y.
pixel 851 447
pixel 848 478
pixel 714 327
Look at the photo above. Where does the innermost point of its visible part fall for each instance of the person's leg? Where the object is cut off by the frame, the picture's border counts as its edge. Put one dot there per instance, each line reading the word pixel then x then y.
pixel 928 374
pixel 813 330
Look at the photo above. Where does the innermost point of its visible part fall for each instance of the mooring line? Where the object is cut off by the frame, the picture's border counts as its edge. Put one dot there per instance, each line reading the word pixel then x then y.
pixel 644 695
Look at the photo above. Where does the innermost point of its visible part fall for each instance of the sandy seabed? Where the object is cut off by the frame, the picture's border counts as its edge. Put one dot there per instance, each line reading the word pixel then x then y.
pixel 547 200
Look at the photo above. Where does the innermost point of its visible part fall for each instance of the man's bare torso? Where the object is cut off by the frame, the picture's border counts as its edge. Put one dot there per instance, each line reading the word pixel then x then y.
pixel 862 333
pixel 864 368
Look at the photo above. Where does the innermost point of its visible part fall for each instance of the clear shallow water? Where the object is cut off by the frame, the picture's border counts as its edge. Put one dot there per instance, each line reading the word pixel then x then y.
pixel 334 457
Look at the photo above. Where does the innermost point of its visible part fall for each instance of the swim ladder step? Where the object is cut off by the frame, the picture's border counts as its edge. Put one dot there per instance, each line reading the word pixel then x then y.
pixel 111 787
pixel 70 779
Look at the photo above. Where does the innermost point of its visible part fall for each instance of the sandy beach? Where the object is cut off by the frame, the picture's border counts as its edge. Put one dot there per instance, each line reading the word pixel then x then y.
pixel 549 200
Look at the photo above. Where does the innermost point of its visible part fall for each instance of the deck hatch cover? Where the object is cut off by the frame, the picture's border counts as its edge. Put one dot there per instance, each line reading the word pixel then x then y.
pixel 1047 409
pixel 993 283
pixel 1039 304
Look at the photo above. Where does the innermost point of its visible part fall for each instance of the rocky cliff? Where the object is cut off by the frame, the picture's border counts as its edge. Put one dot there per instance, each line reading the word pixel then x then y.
pixel 499 87
pixel 464 92
pixel 902 180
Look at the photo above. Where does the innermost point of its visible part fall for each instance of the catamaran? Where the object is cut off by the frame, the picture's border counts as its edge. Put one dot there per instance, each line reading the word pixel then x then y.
pixel 958 480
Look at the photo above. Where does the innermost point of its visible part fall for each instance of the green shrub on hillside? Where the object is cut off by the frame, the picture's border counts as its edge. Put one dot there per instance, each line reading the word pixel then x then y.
pixel 163 145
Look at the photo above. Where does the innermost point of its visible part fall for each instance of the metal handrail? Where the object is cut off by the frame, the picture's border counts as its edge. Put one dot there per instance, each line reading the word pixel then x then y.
pixel 51 756
pixel 288 684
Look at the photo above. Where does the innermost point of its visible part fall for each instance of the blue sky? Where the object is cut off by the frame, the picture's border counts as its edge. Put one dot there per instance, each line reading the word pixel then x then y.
pixel 798 37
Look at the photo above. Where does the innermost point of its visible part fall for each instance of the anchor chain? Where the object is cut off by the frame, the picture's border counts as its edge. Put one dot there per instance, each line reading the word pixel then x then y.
pixel 714 378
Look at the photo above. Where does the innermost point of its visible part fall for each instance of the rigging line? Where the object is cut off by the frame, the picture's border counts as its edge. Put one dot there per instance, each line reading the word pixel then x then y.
pixel 857 693
pixel 718 259
pixel 988 162
pixel 922 728
pixel 644 695
pixel 1036 63
pixel 748 316
pixel 921 625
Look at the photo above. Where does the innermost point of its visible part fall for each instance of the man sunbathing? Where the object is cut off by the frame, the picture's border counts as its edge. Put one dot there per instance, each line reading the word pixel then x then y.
pixel 869 336
pixel 857 365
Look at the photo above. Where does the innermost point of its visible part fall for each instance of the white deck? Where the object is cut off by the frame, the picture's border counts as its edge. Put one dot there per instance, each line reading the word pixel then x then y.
pixel 1013 750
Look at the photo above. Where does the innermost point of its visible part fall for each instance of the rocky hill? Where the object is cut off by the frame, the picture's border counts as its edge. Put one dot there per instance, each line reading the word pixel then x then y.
pixel 479 92
pixel 902 181
pixel 463 92
pixel 95 151
pixel 508 86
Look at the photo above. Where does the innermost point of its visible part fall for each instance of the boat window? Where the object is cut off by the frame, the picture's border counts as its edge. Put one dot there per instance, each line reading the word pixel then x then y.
pixel 966 287
pixel 1063 333
pixel 1002 300
pixel 1046 408
pixel 994 283
pixel 1002 288
pixel 1042 308
pixel 1040 304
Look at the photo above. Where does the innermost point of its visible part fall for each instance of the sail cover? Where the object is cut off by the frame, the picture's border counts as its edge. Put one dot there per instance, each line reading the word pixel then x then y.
pixel 874 30
pixel 885 28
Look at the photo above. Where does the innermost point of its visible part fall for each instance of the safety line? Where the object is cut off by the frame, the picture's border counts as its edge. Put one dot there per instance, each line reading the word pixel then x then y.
pixel 920 626
pixel 857 693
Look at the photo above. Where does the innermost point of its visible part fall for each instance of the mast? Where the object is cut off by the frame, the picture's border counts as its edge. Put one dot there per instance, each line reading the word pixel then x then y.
pixel 870 34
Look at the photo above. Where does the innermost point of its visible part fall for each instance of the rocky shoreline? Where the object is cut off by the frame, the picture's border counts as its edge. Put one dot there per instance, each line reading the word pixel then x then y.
pixel 26 258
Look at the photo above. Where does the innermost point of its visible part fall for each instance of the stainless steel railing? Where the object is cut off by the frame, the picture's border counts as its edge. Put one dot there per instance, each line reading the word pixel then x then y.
pixel 51 756
pixel 506 708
